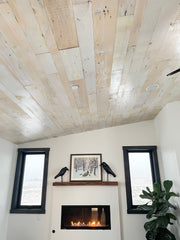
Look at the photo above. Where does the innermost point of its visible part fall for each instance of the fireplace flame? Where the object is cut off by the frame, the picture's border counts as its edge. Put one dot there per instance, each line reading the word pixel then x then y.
pixel 89 224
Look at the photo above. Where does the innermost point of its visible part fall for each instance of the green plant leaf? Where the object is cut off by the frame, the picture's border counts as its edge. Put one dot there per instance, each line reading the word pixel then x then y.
pixel 167 185
pixel 143 196
pixel 157 188
pixel 171 216
pixel 164 234
pixel 171 194
pixel 150 226
pixel 146 195
pixel 149 191
pixel 145 207
pixel 171 206
pixel 162 194
pixel 150 214
pixel 157 228
pixel 150 235
pixel 162 222
pixel 162 209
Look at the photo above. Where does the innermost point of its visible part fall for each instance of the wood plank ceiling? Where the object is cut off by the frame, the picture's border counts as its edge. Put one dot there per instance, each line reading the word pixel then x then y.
pixel 110 51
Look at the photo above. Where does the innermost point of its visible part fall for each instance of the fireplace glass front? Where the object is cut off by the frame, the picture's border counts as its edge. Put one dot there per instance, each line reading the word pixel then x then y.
pixel 85 217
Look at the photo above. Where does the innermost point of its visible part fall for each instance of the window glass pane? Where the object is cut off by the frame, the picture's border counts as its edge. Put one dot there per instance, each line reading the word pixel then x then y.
pixel 33 179
pixel 140 173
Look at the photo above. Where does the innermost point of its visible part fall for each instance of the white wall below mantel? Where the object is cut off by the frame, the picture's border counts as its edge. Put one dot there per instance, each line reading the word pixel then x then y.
pixel 85 195
pixel 107 141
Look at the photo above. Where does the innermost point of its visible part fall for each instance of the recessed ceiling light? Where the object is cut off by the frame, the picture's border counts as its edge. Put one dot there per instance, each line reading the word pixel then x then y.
pixel 75 87
pixel 152 87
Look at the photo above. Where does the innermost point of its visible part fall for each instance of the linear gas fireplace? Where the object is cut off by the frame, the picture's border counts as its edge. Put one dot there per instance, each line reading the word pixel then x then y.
pixel 85 217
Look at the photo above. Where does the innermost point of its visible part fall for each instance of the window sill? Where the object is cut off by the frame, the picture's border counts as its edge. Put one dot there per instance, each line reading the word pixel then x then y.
pixel 135 211
pixel 28 211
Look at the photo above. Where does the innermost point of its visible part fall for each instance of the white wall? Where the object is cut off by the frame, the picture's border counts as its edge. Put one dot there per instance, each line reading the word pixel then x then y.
pixel 83 195
pixel 7 157
pixel 168 135
pixel 109 142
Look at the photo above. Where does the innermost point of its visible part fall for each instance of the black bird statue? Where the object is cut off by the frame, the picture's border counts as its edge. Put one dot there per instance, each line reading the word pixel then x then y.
pixel 61 173
pixel 108 170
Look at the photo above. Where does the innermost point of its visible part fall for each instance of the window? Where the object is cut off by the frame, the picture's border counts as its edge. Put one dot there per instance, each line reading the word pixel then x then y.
pixel 141 171
pixel 29 193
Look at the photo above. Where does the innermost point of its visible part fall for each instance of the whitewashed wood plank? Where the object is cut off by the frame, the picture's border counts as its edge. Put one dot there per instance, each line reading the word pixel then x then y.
pixel 138 16
pixel 39 8
pixel 25 16
pixel 80 1
pixel 145 34
pixel 72 63
pixel 92 100
pixel 104 19
pixel 59 96
pixel 16 50
pixel 124 25
pixel 80 93
pixel 46 62
pixel 84 25
pixel 138 75
pixel 42 19
pixel 160 47
pixel 15 66
pixel 126 7
pixel 15 91
pixel 62 22
pixel 61 106
pixel 125 87
pixel 19 45
pixel 9 128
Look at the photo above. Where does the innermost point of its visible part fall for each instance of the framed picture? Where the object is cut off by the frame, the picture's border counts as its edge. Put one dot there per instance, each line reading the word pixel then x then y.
pixel 85 167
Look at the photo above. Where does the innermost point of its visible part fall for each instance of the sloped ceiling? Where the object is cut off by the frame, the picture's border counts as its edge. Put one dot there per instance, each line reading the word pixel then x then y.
pixel 78 65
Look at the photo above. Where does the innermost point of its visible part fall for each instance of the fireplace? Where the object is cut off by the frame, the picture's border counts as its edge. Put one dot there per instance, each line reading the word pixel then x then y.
pixel 85 217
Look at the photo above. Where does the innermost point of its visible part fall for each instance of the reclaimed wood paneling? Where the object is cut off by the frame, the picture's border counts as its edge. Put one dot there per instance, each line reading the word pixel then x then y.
pixel 26 19
pixel 112 50
pixel 72 63
pixel 62 21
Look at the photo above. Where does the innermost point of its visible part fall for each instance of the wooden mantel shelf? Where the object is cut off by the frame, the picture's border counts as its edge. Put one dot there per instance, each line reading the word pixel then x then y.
pixel 85 183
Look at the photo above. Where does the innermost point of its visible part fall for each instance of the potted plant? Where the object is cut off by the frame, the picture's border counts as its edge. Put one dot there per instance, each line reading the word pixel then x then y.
pixel 158 208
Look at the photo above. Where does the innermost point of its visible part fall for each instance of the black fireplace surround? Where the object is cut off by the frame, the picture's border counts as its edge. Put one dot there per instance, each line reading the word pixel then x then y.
pixel 92 217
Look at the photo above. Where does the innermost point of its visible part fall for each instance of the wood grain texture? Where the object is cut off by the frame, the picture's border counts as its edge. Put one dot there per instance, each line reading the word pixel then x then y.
pixel 84 25
pixel 104 19
pixel 72 63
pixel 111 49
pixel 61 18
pixel 85 183
pixel 26 19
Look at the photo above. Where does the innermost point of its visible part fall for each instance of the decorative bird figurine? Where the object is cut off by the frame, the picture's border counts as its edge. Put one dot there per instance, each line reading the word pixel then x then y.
pixel 61 173
pixel 108 170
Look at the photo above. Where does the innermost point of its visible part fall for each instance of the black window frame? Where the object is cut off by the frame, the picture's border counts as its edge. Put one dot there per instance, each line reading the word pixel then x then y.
pixel 132 209
pixel 18 181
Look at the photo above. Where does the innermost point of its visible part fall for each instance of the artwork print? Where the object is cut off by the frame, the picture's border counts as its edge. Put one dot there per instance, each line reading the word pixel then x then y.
pixel 85 167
